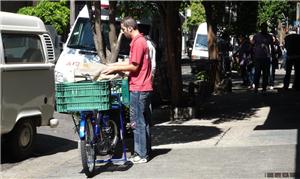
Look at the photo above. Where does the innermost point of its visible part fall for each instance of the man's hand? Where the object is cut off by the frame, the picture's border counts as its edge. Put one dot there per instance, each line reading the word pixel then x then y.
pixel 109 70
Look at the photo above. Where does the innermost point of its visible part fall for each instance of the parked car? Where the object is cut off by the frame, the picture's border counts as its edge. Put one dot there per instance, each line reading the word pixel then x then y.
pixel 27 81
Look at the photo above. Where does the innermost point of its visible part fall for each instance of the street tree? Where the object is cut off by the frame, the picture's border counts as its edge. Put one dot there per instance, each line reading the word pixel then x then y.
pixel 214 11
pixel 272 12
pixel 168 13
pixel 52 13
pixel 197 14
pixel 106 55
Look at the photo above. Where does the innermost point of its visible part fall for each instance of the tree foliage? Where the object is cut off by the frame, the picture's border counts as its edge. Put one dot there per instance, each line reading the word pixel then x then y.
pixel 52 13
pixel 142 10
pixel 272 11
pixel 246 20
pixel 197 16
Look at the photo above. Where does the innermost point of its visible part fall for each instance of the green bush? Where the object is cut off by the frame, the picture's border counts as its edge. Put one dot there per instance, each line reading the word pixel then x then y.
pixel 52 13
pixel 202 76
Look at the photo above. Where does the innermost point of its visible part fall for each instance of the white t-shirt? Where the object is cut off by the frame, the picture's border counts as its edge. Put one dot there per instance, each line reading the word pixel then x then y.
pixel 152 55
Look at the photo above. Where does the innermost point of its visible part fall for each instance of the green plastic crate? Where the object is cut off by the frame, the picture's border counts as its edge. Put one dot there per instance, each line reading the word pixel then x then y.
pixel 120 87
pixel 82 96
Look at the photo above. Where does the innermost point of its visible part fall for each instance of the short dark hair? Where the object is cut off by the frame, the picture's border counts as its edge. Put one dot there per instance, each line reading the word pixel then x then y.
pixel 264 26
pixel 129 22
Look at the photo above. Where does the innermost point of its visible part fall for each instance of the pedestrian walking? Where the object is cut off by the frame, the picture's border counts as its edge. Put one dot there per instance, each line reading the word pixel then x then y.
pixel 244 58
pixel 262 51
pixel 140 87
pixel 225 47
pixel 277 53
pixel 292 45
pixel 152 54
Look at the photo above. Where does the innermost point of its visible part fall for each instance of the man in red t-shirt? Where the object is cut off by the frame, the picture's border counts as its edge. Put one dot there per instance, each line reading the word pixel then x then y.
pixel 140 87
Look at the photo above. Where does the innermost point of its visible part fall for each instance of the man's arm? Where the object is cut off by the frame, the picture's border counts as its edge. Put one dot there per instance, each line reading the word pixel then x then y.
pixel 123 63
pixel 120 68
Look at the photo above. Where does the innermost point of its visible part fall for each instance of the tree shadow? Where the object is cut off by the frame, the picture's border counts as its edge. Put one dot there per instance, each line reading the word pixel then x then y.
pixel 284 115
pixel 110 167
pixel 44 145
pixel 233 106
pixel 162 135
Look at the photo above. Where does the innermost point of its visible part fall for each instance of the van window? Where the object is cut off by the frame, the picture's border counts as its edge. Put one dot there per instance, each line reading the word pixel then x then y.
pixel 82 36
pixel 22 48
pixel 201 41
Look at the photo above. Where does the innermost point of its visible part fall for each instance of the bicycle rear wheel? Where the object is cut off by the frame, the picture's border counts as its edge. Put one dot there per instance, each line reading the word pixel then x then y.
pixel 88 155
pixel 110 138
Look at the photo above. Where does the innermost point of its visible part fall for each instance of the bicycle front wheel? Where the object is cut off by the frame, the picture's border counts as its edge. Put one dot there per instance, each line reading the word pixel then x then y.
pixel 88 155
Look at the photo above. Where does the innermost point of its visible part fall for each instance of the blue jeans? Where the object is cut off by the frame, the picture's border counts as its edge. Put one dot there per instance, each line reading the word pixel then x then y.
pixel 140 114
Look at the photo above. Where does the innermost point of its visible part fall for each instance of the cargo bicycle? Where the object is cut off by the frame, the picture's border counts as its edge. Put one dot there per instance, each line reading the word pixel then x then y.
pixel 92 105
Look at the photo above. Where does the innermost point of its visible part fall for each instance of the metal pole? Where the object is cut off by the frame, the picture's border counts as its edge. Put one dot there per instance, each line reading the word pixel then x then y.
pixel 298 12
pixel 72 12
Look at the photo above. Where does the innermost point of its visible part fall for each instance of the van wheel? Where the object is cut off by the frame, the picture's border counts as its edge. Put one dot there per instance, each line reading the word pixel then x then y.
pixel 22 139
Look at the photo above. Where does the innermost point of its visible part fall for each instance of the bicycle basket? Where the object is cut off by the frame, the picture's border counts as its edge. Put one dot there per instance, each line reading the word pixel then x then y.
pixel 83 96
pixel 120 87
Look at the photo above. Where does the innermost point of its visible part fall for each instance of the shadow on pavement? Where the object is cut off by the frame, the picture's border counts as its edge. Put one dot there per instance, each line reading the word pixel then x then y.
pixel 110 167
pixel 231 107
pixel 44 145
pixel 181 134
pixel 242 103
pixel 284 115
pixel 284 108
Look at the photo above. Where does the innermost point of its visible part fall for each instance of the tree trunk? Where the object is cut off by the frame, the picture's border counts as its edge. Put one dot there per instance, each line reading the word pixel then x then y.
pixel 211 19
pixel 114 42
pixel 172 38
pixel 95 19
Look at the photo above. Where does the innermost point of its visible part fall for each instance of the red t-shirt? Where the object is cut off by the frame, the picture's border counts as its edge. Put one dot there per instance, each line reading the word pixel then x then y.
pixel 140 80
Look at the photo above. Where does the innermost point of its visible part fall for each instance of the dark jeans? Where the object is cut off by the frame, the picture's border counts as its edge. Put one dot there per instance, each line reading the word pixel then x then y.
pixel 273 67
pixel 262 65
pixel 251 73
pixel 288 70
pixel 244 74
pixel 289 65
pixel 140 114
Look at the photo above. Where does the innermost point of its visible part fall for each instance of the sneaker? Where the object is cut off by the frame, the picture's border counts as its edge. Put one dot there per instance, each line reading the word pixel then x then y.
pixel 137 159
pixel 132 156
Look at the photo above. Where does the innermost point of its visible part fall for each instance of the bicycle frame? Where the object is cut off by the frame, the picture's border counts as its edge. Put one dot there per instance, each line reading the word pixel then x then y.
pixel 99 121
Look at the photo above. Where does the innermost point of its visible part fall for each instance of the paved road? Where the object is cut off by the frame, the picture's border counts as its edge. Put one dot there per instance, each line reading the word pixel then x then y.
pixel 236 135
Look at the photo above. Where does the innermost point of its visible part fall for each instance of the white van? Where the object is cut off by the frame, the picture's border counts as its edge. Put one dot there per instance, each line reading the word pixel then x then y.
pixel 27 81
pixel 200 47
pixel 80 48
